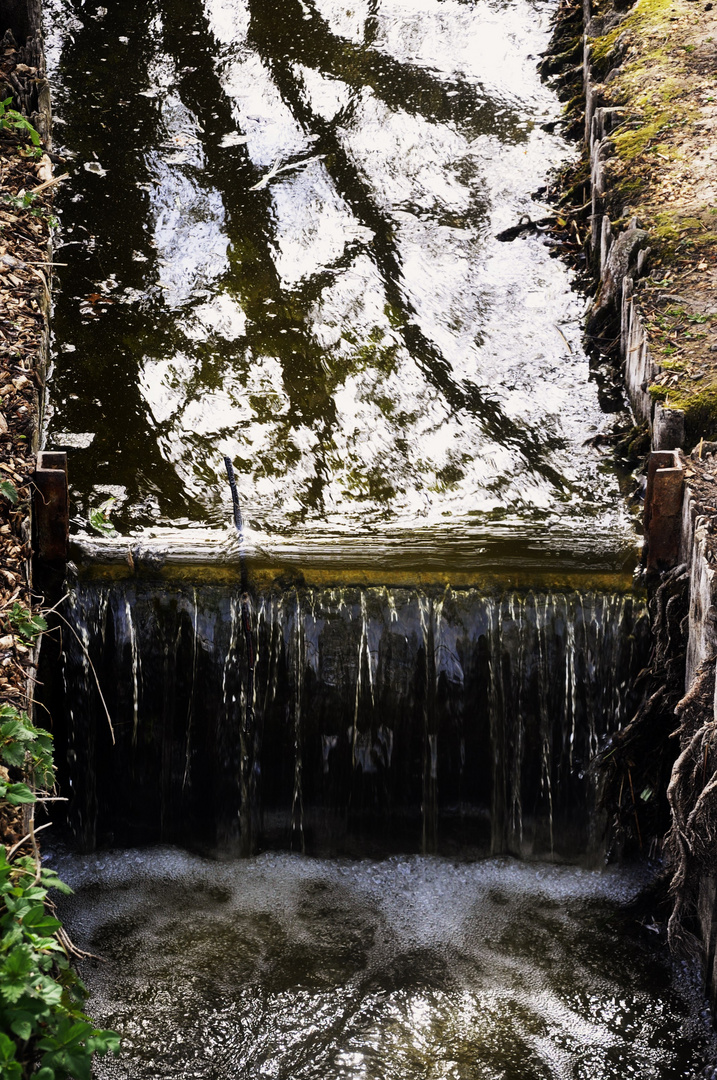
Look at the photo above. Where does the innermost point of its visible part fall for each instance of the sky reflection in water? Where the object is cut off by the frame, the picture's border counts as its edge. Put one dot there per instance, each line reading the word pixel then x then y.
pixel 291 260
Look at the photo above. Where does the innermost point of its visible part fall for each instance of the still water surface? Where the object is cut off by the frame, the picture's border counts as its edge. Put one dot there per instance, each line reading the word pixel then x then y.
pixel 406 969
pixel 280 238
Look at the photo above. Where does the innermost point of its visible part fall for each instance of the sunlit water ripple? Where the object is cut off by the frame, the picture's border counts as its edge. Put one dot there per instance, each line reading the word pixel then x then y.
pixel 287 967
pixel 282 247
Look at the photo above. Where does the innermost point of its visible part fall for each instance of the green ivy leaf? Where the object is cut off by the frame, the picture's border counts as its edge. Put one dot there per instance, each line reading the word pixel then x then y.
pixel 104 1042
pixel 51 881
pixel 16 794
pixel 9 1065
pixel 24 623
pixel 38 920
pixel 100 517
pixel 8 489
pixel 14 754
pixel 48 990
pixel 14 973
pixel 21 1027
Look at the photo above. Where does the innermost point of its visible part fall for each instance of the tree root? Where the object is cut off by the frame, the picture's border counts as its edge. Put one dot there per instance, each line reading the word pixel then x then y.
pixel 691 844
pixel 636 765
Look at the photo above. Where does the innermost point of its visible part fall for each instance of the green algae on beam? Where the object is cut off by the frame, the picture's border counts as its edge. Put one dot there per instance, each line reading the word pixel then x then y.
pixel 699 407
pixel 285 577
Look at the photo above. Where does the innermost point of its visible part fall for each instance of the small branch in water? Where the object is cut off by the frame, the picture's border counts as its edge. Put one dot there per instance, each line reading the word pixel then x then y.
pixel 235 496
pixel 564 338
pixel 276 169
pixel 634 806
pixel 238 523
pixel 525 225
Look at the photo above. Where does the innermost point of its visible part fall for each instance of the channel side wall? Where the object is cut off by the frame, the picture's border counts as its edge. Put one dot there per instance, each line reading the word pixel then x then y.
pixel 619 261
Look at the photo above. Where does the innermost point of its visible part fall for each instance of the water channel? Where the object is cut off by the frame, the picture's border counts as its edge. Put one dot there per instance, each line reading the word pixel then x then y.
pixel 278 243
pixel 280 247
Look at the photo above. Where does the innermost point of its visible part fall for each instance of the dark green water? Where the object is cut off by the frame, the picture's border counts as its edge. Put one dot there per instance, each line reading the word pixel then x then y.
pixel 280 237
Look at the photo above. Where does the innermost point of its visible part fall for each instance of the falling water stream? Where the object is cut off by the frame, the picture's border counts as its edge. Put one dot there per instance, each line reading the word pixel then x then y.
pixel 278 243
pixel 418 718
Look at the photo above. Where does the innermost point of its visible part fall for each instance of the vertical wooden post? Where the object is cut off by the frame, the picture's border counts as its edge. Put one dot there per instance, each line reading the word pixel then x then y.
pixel 51 507
pixel 663 509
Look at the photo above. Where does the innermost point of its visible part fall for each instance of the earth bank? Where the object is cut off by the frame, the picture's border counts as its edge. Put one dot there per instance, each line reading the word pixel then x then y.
pixel 26 187
pixel 639 212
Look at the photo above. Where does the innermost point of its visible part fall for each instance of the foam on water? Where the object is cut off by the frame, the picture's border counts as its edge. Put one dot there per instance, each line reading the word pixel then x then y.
pixel 283 966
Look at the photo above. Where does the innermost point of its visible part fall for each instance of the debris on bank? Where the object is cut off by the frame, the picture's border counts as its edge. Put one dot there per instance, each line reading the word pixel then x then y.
pixel 26 186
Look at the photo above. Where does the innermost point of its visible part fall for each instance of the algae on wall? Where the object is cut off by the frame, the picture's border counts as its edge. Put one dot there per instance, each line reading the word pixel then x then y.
pixel 654 74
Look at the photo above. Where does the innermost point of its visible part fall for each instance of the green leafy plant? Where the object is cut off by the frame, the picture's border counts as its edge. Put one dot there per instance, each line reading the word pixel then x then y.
pixel 8 489
pixel 26 748
pixel 44 1033
pixel 25 624
pixel 25 200
pixel 100 517
pixel 21 201
pixel 41 997
pixel 12 120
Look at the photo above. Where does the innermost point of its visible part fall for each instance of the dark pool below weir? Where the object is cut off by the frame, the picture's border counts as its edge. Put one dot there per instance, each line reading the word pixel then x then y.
pixel 303 969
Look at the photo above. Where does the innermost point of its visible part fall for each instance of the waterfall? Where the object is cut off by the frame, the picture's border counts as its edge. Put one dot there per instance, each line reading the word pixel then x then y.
pixel 409 719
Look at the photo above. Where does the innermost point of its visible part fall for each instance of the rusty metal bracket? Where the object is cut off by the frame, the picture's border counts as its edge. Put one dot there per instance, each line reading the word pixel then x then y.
pixel 51 507
pixel 663 509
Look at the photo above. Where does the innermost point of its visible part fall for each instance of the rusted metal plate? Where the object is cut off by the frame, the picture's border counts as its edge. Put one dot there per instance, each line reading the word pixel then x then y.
pixel 51 507
pixel 663 509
